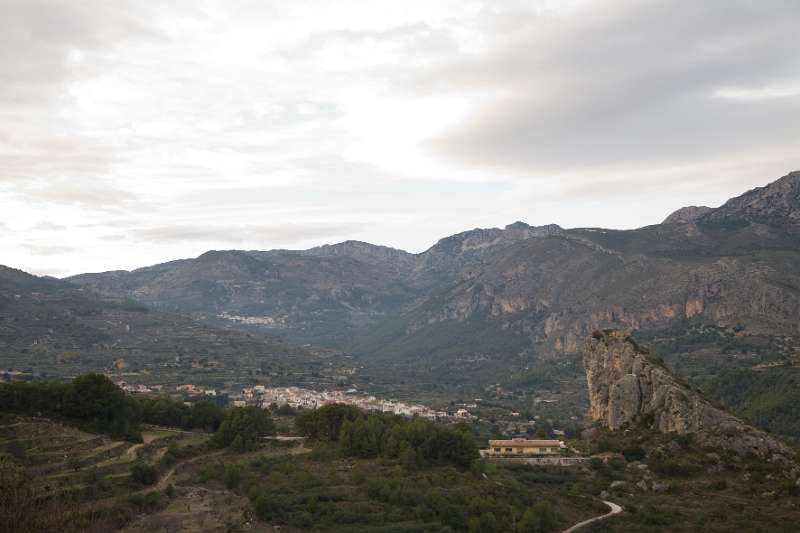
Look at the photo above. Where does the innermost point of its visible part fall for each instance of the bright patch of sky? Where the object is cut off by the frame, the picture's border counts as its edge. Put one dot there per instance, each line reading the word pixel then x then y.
pixel 133 133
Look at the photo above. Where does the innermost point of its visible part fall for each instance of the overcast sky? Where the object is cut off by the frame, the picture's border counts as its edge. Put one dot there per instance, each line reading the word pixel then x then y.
pixel 133 133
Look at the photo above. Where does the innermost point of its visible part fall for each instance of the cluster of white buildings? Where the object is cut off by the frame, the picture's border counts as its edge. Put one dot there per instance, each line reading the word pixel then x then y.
pixel 133 387
pixel 263 396
pixel 256 320
pixel 193 390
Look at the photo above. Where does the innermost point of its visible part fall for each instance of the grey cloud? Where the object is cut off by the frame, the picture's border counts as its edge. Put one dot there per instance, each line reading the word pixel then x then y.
pixel 49 226
pixel 47 249
pixel 44 46
pixel 417 40
pixel 95 194
pixel 46 271
pixel 38 37
pixel 272 234
pixel 631 81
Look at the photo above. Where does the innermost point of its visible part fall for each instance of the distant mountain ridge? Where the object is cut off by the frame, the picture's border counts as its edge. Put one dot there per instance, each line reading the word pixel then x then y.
pixel 491 299
pixel 322 295
pixel 52 327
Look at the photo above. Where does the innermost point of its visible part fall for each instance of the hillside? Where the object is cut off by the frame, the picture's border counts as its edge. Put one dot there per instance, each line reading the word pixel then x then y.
pixel 50 327
pixel 629 388
pixel 515 298
pixel 328 295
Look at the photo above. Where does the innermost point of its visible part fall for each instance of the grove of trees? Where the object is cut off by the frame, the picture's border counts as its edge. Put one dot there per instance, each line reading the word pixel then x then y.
pixel 415 442
pixel 95 401
pixel 243 429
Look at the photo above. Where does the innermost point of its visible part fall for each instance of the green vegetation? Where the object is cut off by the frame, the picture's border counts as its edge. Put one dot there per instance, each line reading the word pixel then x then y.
pixel 165 412
pixel 144 473
pixel 416 442
pixel 92 399
pixel 678 485
pixel 243 429
pixel 96 402
pixel 68 480
pixel 769 399
pixel 327 493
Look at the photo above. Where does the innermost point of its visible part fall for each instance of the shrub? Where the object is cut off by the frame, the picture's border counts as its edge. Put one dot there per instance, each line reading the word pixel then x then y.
pixel 541 518
pixel 232 476
pixel 147 502
pixel 144 473
pixel 685 441
pixel 634 453
pixel 673 468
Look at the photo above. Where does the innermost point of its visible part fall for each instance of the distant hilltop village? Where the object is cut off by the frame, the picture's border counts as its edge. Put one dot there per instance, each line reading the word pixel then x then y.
pixel 263 396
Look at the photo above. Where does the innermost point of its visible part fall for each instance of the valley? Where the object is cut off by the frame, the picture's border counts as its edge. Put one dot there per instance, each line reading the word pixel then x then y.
pixel 479 312
pixel 349 387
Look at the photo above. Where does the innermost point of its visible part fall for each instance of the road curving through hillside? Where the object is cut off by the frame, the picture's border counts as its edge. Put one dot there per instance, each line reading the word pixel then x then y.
pixel 615 509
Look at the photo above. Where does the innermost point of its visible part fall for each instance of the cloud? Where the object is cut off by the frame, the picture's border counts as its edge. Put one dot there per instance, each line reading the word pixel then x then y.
pixel 45 48
pixel 47 249
pixel 632 83
pixel 274 234
pixel 95 194
pixel 38 270
pixel 156 130
pixel 48 226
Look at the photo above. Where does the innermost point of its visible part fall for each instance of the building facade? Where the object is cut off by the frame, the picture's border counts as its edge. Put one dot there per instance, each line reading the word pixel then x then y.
pixel 522 447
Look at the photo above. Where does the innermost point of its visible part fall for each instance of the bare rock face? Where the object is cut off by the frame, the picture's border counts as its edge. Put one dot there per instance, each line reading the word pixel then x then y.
pixel 687 214
pixel 628 388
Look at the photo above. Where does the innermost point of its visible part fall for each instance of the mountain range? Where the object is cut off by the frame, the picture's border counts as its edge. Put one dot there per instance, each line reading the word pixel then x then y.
pixel 50 327
pixel 495 305
pixel 520 293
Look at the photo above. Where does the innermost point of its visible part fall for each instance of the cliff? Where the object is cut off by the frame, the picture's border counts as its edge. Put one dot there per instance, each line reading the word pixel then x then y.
pixel 627 388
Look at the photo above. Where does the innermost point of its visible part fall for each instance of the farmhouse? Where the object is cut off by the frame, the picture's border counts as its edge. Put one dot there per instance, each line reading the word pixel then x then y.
pixel 522 447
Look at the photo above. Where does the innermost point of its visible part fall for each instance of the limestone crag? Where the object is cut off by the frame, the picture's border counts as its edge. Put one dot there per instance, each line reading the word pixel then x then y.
pixel 627 387
pixel 687 214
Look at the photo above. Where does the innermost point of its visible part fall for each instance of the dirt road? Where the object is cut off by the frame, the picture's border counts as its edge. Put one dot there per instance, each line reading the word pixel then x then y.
pixel 615 509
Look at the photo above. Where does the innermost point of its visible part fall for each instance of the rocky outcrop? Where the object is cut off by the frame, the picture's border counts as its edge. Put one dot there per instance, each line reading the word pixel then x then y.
pixel 776 204
pixel 687 214
pixel 627 388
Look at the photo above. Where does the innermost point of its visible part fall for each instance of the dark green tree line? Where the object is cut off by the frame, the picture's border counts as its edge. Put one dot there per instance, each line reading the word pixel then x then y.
pixel 415 442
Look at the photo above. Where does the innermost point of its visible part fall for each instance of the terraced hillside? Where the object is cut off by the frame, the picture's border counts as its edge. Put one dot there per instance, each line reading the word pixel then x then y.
pixel 75 479
pixel 50 327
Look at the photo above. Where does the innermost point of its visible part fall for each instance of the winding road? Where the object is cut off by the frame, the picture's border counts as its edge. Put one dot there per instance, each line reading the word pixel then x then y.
pixel 615 509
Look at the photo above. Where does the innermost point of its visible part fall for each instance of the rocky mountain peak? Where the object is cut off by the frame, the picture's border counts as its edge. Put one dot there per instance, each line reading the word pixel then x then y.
pixel 481 238
pixel 776 204
pixel 365 252
pixel 687 214
pixel 628 387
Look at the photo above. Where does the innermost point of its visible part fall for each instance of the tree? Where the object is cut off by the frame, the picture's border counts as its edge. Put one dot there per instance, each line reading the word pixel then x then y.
pixel 232 476
pixel 144 473
pixel 206 415
pixel 486 523
pixel 96 398
pixel 541 518
pixel 408 458
pixel 243 428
